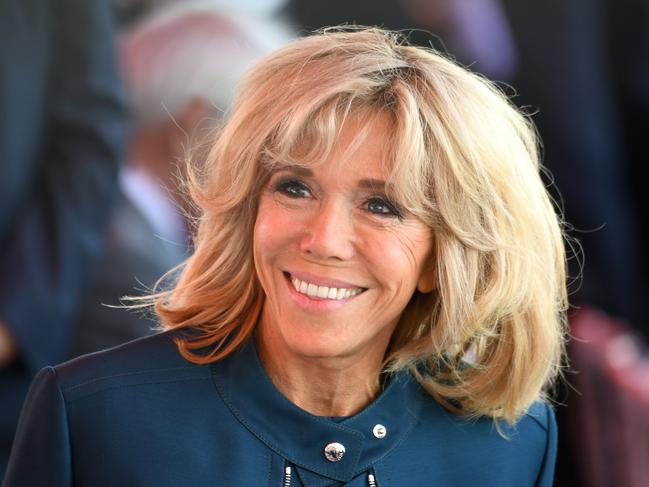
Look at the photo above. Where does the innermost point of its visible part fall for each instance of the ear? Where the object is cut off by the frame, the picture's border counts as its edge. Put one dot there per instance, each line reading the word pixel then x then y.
pixel 427 280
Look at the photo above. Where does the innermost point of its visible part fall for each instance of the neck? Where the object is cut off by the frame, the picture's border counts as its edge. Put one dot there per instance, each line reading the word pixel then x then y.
pixel 321 386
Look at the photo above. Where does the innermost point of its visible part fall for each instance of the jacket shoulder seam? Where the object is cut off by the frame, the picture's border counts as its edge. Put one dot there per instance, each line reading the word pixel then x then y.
pixel 124 386
pixel 73 387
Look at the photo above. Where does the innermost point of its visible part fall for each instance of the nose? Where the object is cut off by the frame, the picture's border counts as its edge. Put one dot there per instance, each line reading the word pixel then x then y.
pixel 329 233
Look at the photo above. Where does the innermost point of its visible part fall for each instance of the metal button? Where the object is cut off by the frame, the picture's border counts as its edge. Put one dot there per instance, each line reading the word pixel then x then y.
pixel 334 452
pixel 380 431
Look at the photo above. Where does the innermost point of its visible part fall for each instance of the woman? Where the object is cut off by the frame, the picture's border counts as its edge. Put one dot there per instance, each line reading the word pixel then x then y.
pixel 375 297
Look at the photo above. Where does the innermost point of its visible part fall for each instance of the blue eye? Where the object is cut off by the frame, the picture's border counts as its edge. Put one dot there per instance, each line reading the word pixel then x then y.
pixel 380 205
pixel 292 188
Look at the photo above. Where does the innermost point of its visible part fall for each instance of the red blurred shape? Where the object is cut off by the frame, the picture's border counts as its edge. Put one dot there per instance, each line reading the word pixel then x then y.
pixel 611 414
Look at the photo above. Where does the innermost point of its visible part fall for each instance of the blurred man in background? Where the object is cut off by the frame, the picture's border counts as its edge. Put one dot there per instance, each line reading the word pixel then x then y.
pixel 179 65
pixel 61 128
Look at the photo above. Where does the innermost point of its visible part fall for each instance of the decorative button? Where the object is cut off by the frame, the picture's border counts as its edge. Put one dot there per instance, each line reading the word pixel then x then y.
pixel 334 452
pixel 380 431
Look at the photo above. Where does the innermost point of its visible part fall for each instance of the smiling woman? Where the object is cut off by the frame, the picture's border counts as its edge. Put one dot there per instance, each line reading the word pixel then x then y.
pixel 376 262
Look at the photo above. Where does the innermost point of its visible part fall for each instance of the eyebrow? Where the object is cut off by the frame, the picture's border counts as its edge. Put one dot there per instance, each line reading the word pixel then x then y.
pixel 368 183
pixel 299 170
pixel 375 184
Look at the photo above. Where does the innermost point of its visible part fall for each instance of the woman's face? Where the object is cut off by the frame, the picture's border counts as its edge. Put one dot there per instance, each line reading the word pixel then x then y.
pixel 337 259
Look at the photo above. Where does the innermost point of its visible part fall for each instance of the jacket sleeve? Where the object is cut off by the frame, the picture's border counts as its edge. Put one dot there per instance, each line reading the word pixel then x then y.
pixel 41 449
pixel 546 475
pixel 57 229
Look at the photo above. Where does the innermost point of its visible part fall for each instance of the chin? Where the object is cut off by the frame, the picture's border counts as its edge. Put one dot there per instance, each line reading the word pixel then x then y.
pixel 320 347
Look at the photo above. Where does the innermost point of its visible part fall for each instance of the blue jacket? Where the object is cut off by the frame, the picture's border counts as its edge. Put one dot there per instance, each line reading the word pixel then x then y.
pixel 140 415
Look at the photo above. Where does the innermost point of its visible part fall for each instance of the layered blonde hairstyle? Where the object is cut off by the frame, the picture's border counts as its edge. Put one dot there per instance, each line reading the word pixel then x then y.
pixel 490 336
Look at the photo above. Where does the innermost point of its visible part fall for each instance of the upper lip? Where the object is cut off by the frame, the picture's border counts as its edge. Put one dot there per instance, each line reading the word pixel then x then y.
pixel 322 281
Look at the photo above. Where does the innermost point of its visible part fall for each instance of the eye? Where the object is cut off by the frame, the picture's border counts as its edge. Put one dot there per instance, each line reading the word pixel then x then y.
pixel 381 205
pixel 292 188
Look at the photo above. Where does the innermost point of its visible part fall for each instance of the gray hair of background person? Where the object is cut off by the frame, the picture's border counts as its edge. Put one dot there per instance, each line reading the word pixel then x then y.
pixel 193 50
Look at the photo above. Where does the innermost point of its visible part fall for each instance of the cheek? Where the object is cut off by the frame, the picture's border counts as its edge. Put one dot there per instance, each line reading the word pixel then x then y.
pixel 264 239
pixel 273 235
pixel 401 256
pixel 265 233
pixel 417 249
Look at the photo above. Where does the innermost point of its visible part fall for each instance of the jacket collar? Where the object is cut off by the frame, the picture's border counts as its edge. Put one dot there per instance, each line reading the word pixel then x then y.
pixel 300 437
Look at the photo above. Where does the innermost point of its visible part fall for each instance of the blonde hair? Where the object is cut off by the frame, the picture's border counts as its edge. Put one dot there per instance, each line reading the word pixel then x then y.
pixel 464 161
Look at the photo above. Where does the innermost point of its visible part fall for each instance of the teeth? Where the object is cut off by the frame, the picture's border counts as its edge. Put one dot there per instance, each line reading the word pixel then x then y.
pixel 312 290
pixel 324 291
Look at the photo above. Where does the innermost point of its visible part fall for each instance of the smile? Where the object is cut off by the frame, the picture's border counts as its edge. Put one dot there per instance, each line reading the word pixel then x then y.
pixel 324 292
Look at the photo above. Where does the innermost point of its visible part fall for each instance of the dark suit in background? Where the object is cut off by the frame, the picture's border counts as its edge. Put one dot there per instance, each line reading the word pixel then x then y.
pixel 134 258
pixel 583 71
pixel 61 131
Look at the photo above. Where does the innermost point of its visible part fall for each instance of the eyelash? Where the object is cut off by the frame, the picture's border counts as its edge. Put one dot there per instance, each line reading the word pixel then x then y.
pixel 296 189
pixel 392 209
pixel 292 188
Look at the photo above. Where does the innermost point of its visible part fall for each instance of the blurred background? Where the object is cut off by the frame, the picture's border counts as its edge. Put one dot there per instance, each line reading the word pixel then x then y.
pixel 100 99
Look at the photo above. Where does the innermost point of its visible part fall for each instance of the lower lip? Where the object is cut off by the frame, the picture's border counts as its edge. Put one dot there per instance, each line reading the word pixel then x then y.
pixel 315 303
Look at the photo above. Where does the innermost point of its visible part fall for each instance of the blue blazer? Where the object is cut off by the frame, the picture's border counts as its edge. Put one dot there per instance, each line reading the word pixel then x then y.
pixel 141 415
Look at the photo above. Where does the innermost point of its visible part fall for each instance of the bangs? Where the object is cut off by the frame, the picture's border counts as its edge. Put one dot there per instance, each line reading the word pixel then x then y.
pixel 310 139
